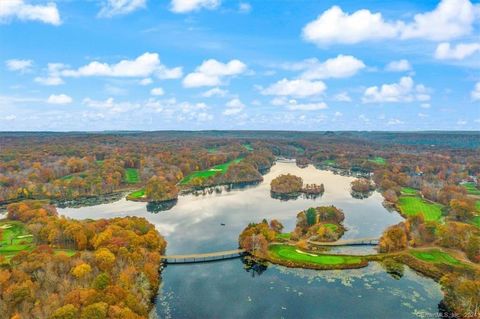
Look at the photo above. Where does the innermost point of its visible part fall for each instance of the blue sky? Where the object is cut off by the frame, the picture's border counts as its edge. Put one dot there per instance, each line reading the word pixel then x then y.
pixel 227 64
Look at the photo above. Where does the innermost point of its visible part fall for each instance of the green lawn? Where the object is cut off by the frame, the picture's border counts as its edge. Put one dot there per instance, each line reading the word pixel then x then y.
pixel 329 162
pixel 476 221
pixel 71 176
pixel 435 256
pixel 283 236
pixel 218 169
pixel 15 238
pixel 332 227
pixel 471 188
pixel 99 162
pixel 378 160
pixel 412 205
pixel 299 150
pixel 137 194
pixel 292 253
pixel 131 176
pixel 212 149
pixel 248 147
pixel 409 191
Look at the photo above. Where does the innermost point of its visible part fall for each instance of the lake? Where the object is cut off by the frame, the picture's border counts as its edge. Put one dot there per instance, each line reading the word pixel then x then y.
pixel 230 289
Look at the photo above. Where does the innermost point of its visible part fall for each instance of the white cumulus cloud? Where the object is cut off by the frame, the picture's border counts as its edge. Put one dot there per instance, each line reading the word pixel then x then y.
pixel 146 81
pixel 234 106
pixel 216 91
pixel 11 9
pixel 336 26
pixel 53 77
pixel 450 19
pixel 475 94
pixel 445 51
pixel 295 106
pixel 157 91
pixel 399 66
pixel 145 65
pixel 342 66
pixel 184 6
pixel 244 7
pixel 59 99
pixel 212 72
pixel 19 65
pixel 111 106
pixel 403 91
pixel 118 7
pixel 342 97
pixel 295 88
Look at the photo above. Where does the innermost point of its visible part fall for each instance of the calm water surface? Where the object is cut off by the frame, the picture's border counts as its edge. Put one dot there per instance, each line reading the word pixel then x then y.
pixel 226 290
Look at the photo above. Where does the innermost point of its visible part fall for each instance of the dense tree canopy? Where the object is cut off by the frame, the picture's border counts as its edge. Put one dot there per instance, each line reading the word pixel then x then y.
pixel 113 272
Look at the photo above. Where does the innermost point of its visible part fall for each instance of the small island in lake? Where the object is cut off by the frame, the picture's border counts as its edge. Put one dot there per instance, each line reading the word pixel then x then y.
pixel 291 186
pixel 446 252
pixel 362 188
pixel 319 224
pixel 314 227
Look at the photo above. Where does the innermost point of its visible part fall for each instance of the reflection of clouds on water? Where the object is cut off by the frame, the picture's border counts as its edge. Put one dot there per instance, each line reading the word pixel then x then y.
pixel 193 224
pixel 166 229
pixel 412 291
pixel 225 289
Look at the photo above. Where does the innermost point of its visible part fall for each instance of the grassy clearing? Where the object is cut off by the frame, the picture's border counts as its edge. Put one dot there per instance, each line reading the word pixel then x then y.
pixel 476 221
pixel 409 191
pixel 283 236
pixel 71 176
pixel 137 194
pixel 410 205
pixel 218 169
pixel 131 176
pixel 248 147
pixel 291 253
pixel 329 162
pixel 435 256
pixel 378 160
pixel 332 227
pixel 212 149
pixel 99 162
pixel 15 238
pixel 471 188
pixel 299 150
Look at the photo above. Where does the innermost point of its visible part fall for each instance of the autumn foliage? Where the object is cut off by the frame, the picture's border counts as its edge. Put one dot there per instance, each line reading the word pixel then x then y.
pixel 114 272
pixel 286 184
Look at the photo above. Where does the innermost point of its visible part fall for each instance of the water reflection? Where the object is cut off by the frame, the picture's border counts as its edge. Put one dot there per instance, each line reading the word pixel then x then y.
pixel 241 288
pixel 361 195
pixel 254 266
pixel 194 223
pixel 226 290
pixel 156 207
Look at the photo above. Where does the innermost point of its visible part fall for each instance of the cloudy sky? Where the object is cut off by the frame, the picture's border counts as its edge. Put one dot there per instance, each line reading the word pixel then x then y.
pixel 239 64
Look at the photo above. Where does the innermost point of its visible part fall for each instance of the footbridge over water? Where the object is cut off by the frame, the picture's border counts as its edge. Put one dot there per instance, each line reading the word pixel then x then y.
pixel 348 242
pixel 235 253
pixel 195 258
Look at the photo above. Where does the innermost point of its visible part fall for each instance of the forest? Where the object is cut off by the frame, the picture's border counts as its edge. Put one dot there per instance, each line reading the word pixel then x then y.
pixel 109 268
pixel 80 269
